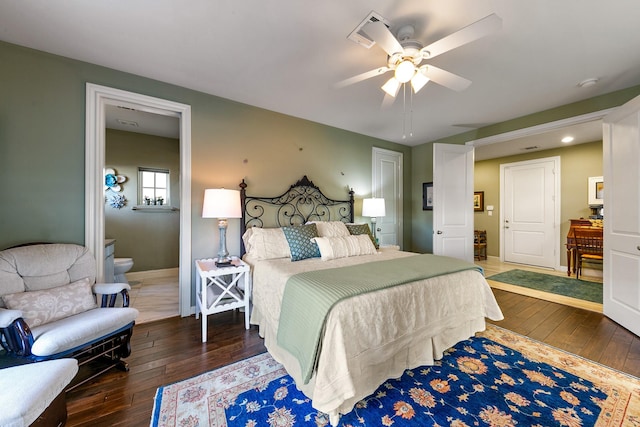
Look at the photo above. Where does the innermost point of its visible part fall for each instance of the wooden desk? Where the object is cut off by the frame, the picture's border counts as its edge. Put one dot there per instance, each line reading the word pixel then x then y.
pixel 571 252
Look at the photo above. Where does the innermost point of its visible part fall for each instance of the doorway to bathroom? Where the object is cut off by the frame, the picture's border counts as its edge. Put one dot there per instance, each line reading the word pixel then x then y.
pixel 142 150
pixel 99 99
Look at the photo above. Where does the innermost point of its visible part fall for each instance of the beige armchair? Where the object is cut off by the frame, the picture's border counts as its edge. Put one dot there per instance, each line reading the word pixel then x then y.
pixel 48 308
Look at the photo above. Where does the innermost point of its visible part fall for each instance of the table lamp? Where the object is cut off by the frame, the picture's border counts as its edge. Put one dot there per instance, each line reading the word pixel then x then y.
pixel 373 208
pixel 222 204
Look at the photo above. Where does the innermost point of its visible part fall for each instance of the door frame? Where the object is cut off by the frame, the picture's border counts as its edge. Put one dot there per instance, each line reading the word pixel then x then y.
pixel 538 129
pixel 556 208
pixel 97 98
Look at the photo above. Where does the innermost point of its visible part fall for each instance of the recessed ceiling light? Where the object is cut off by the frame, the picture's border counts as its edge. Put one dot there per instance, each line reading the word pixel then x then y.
pixel 567 139
pixel 588 82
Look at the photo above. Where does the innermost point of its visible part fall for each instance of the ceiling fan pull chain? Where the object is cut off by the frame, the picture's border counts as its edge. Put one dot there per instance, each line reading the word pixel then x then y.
pixel 404 111
pixel 411 114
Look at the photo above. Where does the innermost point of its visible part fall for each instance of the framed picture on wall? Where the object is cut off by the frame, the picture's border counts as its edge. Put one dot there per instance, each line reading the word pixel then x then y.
pixel 478 201
pixel 427 196
pixel 596 191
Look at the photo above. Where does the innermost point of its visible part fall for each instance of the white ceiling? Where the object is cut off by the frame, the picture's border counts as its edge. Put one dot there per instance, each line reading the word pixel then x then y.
pixel 285 56
pixel 132 120
pixel 581 133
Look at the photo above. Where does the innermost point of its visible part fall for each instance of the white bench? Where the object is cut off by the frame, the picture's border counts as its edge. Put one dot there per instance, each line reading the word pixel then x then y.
pixel 33 394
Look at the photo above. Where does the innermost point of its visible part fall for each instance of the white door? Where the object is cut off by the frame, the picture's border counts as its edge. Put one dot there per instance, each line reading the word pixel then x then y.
pixel 530 211
pixel 621 144
pixel 387 184
pixel 453 201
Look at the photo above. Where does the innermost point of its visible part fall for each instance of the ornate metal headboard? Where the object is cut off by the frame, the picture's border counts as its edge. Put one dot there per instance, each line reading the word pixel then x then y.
pixel 302 202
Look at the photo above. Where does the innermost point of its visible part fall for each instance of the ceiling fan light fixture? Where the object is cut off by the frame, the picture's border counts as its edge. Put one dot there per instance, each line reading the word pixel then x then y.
pixel 405 71
pixel 392 86
pixel 418 81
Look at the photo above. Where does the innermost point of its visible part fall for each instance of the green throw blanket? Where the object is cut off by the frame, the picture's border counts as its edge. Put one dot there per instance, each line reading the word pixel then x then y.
pixel 309 296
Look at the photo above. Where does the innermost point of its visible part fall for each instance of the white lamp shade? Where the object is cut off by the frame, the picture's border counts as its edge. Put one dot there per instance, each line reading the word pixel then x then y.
pixel 373 207
pixel 391 86
pixel 221 203
pixel 418 81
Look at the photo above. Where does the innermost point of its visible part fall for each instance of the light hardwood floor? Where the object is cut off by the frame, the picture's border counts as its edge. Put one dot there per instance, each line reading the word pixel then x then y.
pixel 155 297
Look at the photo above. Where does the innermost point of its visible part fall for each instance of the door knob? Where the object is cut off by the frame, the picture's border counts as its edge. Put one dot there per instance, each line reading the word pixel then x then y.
pixel 439 232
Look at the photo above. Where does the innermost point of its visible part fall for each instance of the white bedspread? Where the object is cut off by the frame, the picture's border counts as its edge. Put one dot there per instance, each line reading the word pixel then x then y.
pixel 375 336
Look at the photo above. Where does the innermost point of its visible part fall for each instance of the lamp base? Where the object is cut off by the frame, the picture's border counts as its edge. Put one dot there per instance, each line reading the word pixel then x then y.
pixel 223 259
pixel 224 262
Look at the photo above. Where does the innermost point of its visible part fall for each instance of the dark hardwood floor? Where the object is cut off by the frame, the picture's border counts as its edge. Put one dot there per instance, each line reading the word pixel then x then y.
pixel 171 350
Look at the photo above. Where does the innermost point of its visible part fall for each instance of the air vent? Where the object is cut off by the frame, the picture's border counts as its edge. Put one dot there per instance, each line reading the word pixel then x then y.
pixel 360 37
pixel 532 147
pixel 127 123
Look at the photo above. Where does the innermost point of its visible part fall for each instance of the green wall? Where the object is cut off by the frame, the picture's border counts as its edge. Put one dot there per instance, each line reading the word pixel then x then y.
pixel 42 114
pixel 577 163
pixel 42 134
pixel 151 237
pixel 422 155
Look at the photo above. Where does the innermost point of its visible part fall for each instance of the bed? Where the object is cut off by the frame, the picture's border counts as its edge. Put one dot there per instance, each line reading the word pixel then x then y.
pixel 367 337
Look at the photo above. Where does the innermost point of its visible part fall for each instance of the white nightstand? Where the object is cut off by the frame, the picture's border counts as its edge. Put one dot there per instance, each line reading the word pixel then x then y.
pixel 217 289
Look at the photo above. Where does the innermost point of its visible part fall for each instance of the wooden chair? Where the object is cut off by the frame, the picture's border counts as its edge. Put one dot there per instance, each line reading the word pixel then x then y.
pixel 589 247
pixel 480 244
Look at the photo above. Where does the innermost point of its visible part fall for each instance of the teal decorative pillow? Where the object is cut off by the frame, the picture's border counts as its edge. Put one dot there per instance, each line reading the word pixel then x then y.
pixel 357 229
pixel 300 243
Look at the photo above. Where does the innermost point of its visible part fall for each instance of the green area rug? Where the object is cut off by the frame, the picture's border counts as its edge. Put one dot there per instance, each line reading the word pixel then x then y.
pixel 567 286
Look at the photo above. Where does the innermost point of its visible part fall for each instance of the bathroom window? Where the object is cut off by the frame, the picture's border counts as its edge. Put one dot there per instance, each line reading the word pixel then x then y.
pixel 153 186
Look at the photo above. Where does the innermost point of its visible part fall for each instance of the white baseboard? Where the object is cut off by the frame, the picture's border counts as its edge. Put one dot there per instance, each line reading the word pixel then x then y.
pixel 151 274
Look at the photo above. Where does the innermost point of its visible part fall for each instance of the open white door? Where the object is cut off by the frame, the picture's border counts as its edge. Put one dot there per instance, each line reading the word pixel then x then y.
pixel 453 200
pixel 621 144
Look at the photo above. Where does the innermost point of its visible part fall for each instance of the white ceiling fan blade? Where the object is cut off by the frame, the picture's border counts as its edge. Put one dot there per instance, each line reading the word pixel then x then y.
pixel 381 35
pixel 361 77
pixel 445 78
pixel 475 31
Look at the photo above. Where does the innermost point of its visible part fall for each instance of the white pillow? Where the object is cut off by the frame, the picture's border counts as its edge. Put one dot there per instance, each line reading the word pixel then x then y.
pixel 345 246
pixel 267 243
pixel 246 237
pixel 331 228
pixel 49 305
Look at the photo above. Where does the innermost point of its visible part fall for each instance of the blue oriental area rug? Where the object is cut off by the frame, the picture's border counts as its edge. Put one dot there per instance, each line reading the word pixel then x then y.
pixel 495 379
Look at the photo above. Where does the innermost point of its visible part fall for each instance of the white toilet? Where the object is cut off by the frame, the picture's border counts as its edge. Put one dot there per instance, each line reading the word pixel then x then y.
pixel 120 267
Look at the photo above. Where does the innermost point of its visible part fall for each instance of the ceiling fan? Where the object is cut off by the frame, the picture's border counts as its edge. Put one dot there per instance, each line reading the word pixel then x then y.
pixel 406 54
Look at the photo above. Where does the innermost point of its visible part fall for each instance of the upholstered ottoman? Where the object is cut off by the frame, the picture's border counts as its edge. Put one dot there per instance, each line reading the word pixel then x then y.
pixel 33 394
